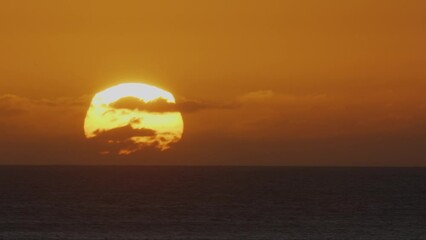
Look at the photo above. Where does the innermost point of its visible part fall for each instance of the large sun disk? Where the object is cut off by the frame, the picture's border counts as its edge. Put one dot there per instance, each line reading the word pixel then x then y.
pixel 103 117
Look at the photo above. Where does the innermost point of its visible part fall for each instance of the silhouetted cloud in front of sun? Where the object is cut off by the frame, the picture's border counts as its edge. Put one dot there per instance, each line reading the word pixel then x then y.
pixel 122 133
pixel 162 105
pixel 133 103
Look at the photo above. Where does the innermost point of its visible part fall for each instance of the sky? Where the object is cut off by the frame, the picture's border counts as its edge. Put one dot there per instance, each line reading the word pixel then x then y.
pixel 292 83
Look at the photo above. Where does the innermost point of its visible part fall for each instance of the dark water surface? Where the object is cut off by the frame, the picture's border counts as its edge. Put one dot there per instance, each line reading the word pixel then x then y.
pixel 212 203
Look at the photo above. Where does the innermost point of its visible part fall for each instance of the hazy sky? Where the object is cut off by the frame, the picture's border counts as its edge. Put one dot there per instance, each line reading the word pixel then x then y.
pixel 277 82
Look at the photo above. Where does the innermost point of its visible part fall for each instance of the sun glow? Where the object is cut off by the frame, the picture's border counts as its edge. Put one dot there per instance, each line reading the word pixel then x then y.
pixel 129 117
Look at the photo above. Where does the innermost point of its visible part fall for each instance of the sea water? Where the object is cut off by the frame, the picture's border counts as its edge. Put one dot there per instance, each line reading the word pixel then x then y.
pixel 116 202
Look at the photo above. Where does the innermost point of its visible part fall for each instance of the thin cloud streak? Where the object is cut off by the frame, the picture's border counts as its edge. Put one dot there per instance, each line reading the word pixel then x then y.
pixel 161 105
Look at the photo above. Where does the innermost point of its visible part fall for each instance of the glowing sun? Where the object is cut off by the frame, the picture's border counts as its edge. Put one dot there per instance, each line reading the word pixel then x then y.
pixel 133 116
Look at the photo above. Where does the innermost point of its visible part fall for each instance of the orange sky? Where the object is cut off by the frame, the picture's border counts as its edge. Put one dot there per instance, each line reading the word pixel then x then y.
pixel 277 82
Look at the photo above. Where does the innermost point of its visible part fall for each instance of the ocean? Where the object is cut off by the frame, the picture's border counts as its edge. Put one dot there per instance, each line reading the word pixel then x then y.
pixel 133 202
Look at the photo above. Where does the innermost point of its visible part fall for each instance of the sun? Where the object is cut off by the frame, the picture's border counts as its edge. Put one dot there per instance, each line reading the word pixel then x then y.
pixel 133 116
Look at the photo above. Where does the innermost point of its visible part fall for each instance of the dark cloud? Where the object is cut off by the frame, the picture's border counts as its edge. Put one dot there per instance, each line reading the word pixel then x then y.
pixel 157 105
pixel 190 106
pixel 118 140
pixel 161 105
pixel 122 133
